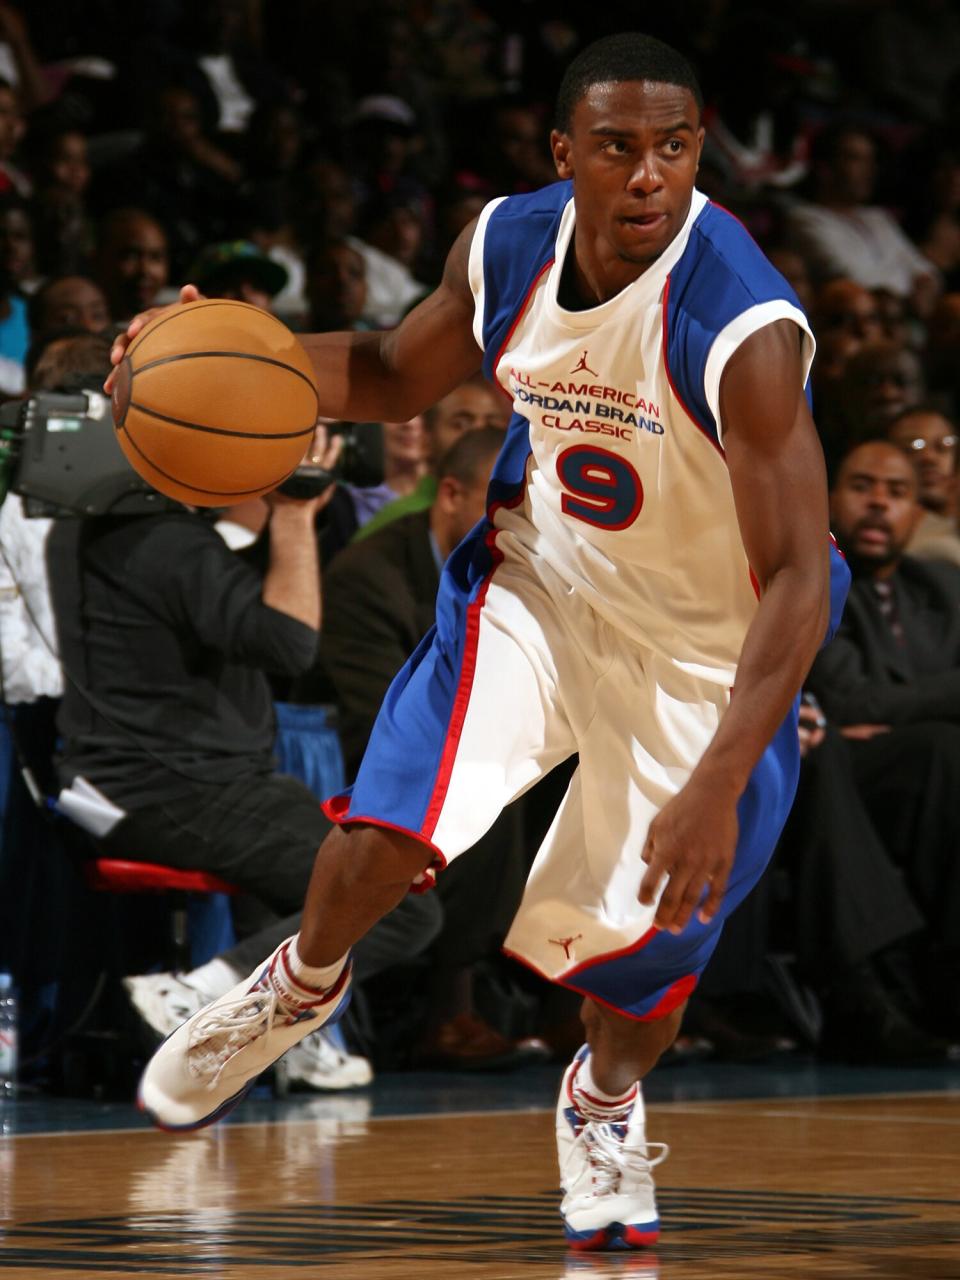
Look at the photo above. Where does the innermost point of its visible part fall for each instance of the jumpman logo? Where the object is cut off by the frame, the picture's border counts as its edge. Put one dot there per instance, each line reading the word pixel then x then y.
pixel 583 367
pixel 566 943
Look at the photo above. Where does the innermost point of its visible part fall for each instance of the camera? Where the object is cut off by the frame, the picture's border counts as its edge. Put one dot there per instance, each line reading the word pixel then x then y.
pixel 360 462
pixel 59 451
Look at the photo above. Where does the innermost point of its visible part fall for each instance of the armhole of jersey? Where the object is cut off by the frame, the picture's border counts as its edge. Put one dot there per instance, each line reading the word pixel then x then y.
pixel 475 268
pixel 737 331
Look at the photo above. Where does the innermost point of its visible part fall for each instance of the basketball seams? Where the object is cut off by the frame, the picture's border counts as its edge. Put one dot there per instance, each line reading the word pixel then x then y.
pixel 208 394
pixel 202 303
pixel 221 431
pixel 228 355
pixel 218 493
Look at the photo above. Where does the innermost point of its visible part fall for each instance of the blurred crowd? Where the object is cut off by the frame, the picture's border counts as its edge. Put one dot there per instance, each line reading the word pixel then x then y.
pixel 319 161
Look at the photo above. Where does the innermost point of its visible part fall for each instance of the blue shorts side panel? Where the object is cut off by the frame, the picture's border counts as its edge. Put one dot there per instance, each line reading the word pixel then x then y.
pixel 657 976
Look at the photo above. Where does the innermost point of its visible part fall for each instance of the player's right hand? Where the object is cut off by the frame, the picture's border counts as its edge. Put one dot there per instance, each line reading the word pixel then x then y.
pixel 188 293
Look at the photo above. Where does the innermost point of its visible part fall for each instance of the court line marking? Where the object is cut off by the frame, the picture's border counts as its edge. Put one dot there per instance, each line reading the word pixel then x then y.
pixel 756 1106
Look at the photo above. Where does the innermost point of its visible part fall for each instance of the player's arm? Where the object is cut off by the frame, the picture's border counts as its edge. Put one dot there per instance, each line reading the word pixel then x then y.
pixel 397 373
pixel 394 374
pixel 779 487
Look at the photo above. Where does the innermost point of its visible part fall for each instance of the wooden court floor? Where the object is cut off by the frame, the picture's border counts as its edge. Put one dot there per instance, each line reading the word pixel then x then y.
pixel 866 1187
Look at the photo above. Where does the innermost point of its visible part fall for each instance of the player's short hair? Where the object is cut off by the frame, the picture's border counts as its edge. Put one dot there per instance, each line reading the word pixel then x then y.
pixel 631 55
pixel 469 454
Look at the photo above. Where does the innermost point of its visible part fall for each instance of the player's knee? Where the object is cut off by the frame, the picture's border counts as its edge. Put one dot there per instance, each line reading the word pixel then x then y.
pixel 372 856
pixel 630 1038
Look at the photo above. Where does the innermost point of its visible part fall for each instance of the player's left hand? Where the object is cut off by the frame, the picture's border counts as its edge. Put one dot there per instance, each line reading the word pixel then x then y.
pixel 188 293
pixel 692 840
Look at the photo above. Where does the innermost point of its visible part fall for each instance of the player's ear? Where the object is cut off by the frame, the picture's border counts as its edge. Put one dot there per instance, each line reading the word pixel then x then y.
pixel 560 146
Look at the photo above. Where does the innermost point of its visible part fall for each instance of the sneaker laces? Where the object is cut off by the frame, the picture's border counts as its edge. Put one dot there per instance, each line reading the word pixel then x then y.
pixel 610 1158
pixel 220 1034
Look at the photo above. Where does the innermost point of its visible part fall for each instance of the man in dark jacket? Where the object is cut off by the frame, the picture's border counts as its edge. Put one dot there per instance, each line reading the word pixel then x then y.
pixel 890 680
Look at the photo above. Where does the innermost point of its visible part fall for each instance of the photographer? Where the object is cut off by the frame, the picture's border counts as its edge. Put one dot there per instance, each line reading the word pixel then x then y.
pixel 169 635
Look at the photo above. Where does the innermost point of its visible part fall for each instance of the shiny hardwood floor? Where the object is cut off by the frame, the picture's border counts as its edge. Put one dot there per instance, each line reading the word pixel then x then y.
pixel 843 1187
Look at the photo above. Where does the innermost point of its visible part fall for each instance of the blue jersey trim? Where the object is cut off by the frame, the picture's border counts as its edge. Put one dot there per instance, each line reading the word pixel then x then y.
pixel 721 274
pixel 519 242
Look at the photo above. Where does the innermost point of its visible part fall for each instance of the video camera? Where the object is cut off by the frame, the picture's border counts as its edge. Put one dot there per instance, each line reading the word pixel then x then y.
pixel 60 452
pixel 360 462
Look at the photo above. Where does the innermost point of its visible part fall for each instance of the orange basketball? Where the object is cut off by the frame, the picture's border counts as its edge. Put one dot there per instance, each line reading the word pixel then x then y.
pixel 215 402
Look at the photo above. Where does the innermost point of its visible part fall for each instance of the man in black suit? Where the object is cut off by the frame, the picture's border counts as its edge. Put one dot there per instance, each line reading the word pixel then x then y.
pixel 379 603
pixel 890 681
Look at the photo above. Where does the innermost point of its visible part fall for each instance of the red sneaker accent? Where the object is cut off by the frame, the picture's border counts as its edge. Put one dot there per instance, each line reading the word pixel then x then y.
pixel 597 1241
pixel 639 1239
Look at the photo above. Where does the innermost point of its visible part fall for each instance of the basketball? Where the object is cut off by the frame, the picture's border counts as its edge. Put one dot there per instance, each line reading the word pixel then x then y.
pixel 215 402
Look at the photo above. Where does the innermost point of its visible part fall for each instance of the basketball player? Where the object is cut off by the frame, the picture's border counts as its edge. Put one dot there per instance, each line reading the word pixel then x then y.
pixel 656 531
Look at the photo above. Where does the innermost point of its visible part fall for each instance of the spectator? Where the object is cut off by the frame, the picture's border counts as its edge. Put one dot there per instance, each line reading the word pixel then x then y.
pixel 12 127
pixel 16 244
pixel 890 680
pixel 404 465
pixel 237 269
pixel 66 302
pixel 379 602
pixel 31 669
pixel 35 878
pixel 842 233
pixel 931 439
pixel 132 262
pixel 14 326
pixel 61 177
pixel 179 174
pixel 472 405
pixel 879 381
pixel 847 306
pixel 336 286
pixel 396 224
pixel 385 141
pixel 895 324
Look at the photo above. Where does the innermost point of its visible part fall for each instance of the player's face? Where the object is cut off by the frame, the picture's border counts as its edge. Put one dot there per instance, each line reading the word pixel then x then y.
pixel 873 505
pixel 632 152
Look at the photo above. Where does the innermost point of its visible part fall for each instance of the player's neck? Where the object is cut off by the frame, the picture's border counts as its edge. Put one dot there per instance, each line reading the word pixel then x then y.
pixel 586 280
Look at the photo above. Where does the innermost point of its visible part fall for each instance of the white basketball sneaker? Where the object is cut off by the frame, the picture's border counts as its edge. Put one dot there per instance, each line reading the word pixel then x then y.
pixel 609 1199
pixel 211 1061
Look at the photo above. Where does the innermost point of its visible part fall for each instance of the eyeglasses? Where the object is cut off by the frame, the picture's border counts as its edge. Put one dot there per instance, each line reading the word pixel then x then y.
pixel 946 444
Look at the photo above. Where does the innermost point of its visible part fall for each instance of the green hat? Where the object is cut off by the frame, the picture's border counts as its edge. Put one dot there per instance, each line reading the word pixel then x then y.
pixel 232 258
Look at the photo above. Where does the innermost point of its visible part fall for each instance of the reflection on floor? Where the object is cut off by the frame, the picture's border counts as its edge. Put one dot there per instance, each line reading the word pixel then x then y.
pixel 532 1089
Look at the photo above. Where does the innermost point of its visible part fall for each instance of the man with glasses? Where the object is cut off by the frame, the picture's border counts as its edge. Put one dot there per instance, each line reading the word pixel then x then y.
pixel 930 437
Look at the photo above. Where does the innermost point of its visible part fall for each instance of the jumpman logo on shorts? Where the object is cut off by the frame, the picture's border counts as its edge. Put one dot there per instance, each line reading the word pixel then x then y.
pixel 566 943
pixel 583 367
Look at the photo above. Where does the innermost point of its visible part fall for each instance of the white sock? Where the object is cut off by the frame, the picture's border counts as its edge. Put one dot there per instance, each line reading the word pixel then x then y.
pixel 299 986
pixel 593 1102
pixel 312 978
pixel 213 979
